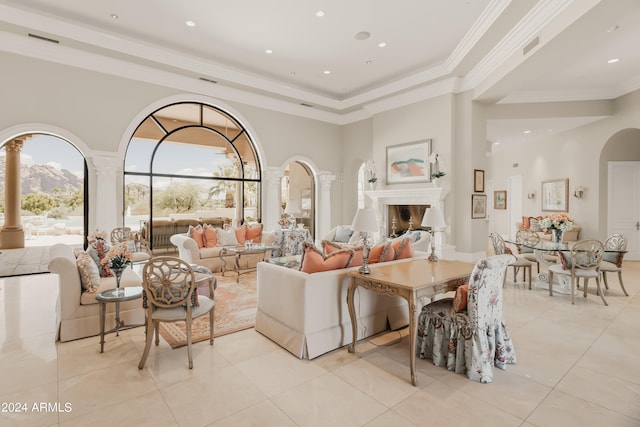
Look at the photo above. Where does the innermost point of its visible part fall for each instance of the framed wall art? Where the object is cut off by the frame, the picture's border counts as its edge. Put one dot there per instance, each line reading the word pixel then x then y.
pixel 500 199
pixel 478 206
pixel 409 162
pixel 555 195
pixel 478 181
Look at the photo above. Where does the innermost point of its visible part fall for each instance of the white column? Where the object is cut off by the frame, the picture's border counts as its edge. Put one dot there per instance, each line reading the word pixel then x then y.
pixel 271 198
pixel 323 206
pixel 108 209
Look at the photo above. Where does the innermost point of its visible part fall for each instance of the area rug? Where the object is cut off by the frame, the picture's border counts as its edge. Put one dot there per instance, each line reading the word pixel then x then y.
pixel 235 310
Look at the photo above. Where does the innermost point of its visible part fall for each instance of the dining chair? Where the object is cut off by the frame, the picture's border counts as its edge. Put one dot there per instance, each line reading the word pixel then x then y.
pixel 615 248
pixel 500 248
pixel 136 246
pixel 170 295
pixel 582 261
pixel 474 339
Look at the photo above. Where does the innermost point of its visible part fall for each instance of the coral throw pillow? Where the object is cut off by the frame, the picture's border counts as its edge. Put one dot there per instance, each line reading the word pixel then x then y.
pixel 403 248
pixel 210 236
pixel 254 233
pixel 330 247
pixel 314 261
pixel 197 234
pixel 241 234
pixel 460 298
pixel 381 253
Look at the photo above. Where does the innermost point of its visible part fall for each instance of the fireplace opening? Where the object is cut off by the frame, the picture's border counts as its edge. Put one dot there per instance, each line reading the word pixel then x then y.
pixel 403 218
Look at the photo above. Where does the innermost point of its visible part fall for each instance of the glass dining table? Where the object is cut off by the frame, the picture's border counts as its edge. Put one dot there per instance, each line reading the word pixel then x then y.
pixel 541 250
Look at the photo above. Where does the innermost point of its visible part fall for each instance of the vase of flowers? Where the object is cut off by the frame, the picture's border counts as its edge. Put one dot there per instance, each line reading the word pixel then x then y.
pixel 370 175
pixel 556 224
pixel 117 258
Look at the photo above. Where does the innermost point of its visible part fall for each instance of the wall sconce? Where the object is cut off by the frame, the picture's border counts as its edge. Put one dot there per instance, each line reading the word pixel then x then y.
pixel 531 195
pixel 578 193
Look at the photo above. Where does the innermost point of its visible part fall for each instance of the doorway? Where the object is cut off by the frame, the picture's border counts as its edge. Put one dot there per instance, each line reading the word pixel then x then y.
pixel 297 196
pixel 624 205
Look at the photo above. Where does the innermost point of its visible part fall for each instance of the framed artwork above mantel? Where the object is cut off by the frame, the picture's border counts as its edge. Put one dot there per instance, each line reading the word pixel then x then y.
pixel 409 163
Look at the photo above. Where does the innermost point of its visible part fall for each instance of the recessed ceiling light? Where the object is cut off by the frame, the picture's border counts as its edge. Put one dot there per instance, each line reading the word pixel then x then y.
pixel 268 51
pixel 369 62
pixel 114 16
pixel 344 89
pixel 496 143
pixel 293 73
pixel 320 13
pixel 613 61
pixel 362 35
pixel 326 72
pixel 527 131
pixel 190 24
pixel 382 44
pixel 612 29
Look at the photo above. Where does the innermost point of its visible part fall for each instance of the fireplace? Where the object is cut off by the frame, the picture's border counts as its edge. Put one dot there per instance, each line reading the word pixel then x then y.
pixel 403 218
pixel 416 201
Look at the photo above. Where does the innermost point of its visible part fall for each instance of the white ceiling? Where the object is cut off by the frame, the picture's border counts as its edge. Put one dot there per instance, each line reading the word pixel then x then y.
pixel 432 47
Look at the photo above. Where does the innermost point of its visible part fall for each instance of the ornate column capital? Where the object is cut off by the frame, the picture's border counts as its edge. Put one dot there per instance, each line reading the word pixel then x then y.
pixel 106 165
pixel 273 176
pixel 15 144
pixel 326 179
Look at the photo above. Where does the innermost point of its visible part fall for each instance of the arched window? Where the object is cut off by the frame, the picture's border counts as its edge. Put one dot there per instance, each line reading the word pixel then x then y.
pixel 191 161
pixel 361 185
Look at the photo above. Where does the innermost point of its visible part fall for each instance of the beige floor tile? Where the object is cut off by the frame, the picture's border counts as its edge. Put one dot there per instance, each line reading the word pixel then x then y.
pixel 81 359
pixel 146 410
pixel 244 345
pixel 264 414
pixel 603 390
pixel 390 418
pixel 208 398
pixel 561 409
pixel 439 404
pixel 328 401
pixel 368 377
pixel 24 408
pixel 103 387
pixel 336 359
pixel 614 355
pixel 285 371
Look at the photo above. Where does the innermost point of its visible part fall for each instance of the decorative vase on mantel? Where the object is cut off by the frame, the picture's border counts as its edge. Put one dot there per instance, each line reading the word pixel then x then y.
pixel 373 185
pixel 556 235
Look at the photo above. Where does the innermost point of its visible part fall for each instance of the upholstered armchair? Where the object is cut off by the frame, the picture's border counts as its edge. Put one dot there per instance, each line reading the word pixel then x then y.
pixel 471 339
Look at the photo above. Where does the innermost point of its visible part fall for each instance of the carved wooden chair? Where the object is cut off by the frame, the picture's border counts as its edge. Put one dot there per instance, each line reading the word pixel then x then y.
pixel 581 262
pixel 170 295
pixel 135 244
pixel 612 260
pixel 500 248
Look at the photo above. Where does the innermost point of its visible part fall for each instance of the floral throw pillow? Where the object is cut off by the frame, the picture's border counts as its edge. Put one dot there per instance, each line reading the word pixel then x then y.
pixel 89 272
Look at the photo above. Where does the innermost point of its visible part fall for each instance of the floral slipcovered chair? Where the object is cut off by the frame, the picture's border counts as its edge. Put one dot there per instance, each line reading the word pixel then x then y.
pixel 474 338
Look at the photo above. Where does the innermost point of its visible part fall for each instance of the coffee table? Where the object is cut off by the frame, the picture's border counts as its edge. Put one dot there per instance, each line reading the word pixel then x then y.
pixel 239 251
pixel 112 296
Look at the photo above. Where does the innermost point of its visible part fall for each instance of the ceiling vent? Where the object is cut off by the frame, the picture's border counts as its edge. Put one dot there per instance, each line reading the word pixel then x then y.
pixel 306 105
pixel 533 43
pixel 46 39
pixel 204 79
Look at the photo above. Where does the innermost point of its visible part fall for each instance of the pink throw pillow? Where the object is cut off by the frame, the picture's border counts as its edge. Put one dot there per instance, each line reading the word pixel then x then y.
pixel 197 234
pixel 210 236
pixel 403 248
pixel 314 261
pixel 241 234
pixel 254 233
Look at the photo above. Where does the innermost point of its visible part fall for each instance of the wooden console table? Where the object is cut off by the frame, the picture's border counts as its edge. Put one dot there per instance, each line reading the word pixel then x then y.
pixel 410 280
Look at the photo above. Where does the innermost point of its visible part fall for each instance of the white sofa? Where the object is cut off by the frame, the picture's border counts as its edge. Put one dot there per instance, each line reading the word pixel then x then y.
pixel 78 312
pixel 422 244
pixel 189 252
pixel 307 314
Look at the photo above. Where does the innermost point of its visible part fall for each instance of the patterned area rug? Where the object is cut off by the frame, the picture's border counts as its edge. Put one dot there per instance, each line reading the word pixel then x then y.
pixel 235 310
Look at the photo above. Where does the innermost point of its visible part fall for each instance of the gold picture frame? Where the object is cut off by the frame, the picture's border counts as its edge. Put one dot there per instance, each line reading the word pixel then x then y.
pixel 500 199
pixel 555 195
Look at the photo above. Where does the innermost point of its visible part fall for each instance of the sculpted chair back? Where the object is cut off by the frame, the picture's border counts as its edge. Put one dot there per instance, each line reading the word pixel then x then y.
pixel 135 244
pixel 474 339
pixel 170 295
pixel 612 260
pixel 500 248
pixel 581 262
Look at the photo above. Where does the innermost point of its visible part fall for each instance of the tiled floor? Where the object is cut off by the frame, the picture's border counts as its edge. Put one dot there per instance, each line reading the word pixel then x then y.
pixel 577 366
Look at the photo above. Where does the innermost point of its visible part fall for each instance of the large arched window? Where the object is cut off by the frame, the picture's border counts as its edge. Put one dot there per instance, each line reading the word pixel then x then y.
pixel 191 161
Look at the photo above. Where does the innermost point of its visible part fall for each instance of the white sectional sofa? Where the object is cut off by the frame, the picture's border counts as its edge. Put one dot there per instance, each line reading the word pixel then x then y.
pixel 307 314
pixel 78 312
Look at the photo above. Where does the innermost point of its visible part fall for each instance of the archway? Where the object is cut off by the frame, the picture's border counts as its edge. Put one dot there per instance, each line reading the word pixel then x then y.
pixel 297 195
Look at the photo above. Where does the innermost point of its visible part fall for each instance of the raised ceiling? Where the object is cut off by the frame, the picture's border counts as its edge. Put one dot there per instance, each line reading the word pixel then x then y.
pixel 504 51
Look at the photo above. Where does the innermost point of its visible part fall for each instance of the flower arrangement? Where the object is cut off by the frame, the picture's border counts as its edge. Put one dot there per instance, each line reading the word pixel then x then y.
pixel 117 256
pixel 560 221
pixel 97 235
pixel 370 172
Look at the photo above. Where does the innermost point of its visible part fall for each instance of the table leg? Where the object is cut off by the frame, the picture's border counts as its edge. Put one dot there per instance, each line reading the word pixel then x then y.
pixel 102 314
pixel 119 323
pixel 352 314
pixel 412 336
pixel 237 267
